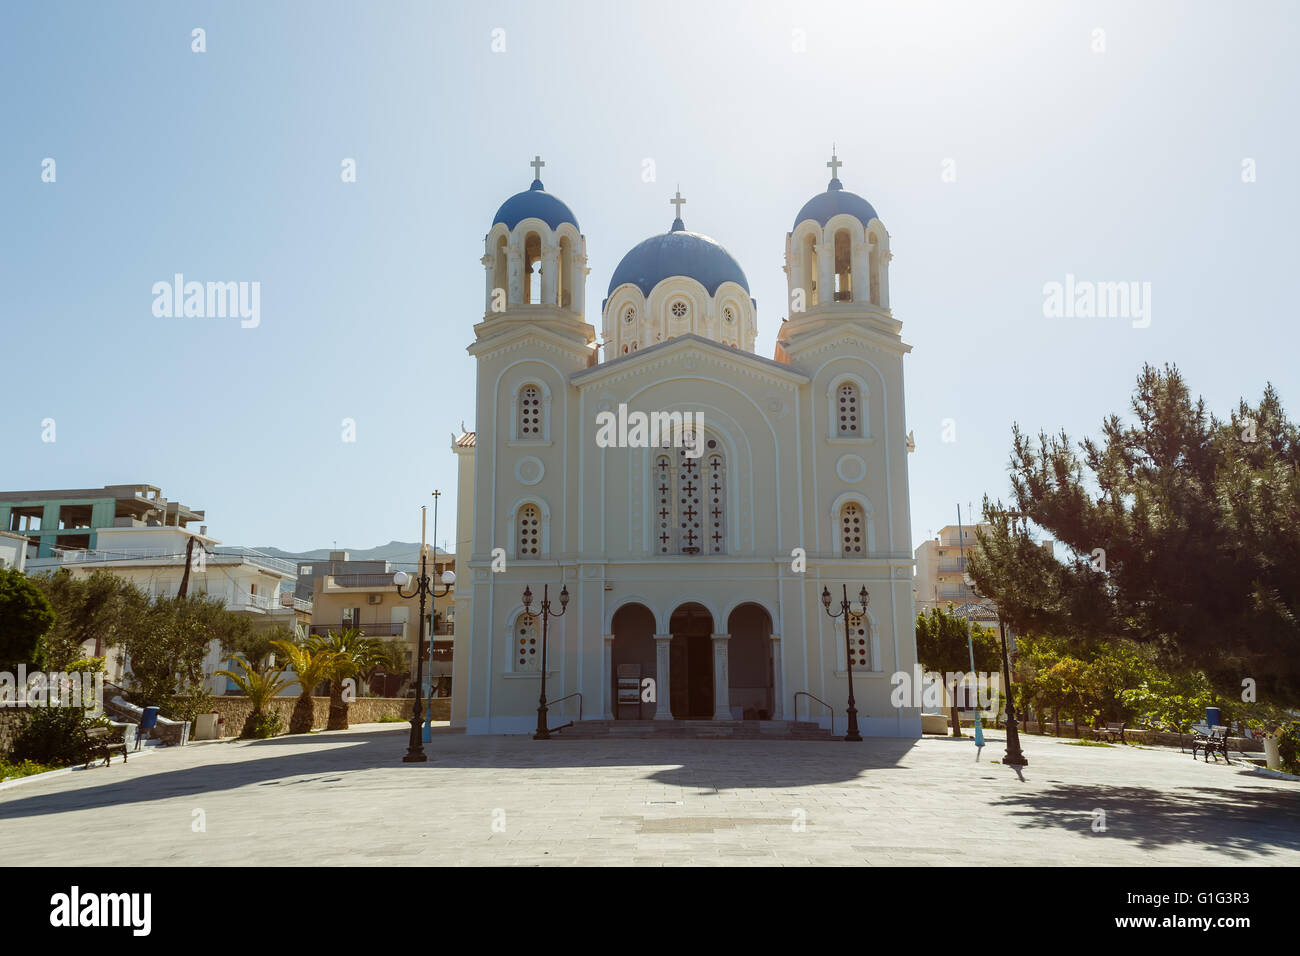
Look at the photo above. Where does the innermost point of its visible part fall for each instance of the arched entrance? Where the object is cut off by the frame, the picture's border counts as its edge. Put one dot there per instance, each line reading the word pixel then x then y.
pixel 750 671
pixel 632 657
pixel 691 663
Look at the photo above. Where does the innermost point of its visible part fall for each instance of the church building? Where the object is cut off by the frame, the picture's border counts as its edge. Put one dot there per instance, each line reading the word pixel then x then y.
pixel 692 555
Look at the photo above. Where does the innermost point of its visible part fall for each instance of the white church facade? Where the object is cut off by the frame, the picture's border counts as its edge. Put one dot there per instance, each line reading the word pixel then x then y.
pixel 697 561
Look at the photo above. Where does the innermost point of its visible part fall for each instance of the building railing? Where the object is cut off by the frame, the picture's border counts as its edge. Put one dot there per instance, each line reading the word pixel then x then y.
pixel 360 580
pixel 370 580
pixel 176 555
pixel 383 629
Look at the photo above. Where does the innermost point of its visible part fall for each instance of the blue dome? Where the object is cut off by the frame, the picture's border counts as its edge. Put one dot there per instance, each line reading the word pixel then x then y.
pixel 678 253
pixel 834 201
pixel 536 203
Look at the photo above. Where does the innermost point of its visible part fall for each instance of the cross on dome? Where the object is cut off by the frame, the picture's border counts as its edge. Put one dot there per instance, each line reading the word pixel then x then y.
pixel 537 165
pixel 834 166
pixel 677 202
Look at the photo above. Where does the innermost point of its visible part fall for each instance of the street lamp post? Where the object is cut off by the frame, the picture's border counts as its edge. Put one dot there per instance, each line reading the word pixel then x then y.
pixel 424 588
pixel 1014 757
pixel 543 732
pixel 846 612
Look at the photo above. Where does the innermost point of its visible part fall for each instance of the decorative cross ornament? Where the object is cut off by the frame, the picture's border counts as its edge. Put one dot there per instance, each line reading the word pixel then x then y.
pixel 834 165
pixel 537 165
pixel 677 202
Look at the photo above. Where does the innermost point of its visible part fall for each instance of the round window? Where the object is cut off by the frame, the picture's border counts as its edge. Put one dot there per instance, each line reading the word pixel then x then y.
pixel 679 309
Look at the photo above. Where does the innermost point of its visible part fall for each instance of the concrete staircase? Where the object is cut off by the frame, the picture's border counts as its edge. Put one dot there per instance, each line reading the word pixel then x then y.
pixel 694 730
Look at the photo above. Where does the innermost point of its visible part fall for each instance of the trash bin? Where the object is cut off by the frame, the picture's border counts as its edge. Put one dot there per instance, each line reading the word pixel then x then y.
pixel 205 726
pixel 1213 716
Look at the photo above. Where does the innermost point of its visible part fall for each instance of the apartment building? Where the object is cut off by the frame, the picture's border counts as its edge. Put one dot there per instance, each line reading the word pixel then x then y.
pixel 361 594
pixel 72 518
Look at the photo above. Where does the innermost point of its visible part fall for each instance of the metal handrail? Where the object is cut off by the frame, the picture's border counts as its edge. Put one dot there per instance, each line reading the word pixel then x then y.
pixel 804 693
pixel 574 694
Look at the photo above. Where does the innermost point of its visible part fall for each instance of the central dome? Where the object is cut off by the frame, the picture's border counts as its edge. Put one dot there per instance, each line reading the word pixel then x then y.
pixel 678 253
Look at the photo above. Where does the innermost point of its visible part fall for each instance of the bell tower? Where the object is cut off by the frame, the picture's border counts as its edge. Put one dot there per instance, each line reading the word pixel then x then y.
pixel 534 257
pixel 837 255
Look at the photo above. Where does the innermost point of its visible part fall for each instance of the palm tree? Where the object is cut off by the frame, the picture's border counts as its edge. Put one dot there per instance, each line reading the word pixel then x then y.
pixel 312 666
pixel 259 688
pixel 355 654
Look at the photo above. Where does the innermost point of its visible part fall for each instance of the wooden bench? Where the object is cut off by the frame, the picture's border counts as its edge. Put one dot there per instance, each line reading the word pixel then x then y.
pixel 100 744
pixel 1112 731
pixel 1215 742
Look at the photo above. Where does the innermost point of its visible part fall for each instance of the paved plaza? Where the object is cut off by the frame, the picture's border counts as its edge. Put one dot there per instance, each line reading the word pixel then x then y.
pixel 346 798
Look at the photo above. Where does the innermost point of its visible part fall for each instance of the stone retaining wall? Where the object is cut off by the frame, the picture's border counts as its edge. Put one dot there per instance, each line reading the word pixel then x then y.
pixel 234 711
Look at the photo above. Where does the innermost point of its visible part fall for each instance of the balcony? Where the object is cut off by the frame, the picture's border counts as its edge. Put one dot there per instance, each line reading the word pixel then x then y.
pixel 381 629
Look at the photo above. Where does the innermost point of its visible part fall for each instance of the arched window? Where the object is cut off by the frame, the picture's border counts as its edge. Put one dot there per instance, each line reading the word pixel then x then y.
pixel 860 642
pixel 810 270
pixel 691 499
pixel 564 295
pixel 853 532
pixel 500 267
pixel 528 532
pixel 848 411
pixel 533 269
pixel 531 414
pixel 666 538
pixel 526 638
pixel 843 267
pixel 874 265
pixel 715 498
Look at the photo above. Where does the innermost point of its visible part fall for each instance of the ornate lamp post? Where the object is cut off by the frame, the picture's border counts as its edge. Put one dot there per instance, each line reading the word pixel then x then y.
pixel 845 612
pixel 424 588
pixel 543 732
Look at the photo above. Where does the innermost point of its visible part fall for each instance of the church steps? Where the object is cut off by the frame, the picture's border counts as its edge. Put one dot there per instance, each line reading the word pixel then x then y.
pixel 695 729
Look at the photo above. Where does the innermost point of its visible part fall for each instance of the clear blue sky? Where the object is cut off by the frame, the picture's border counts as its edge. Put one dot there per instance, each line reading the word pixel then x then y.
pixel 1120 165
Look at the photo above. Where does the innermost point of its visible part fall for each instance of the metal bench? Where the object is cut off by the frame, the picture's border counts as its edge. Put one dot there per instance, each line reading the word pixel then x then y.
pixel 1215 742
pixel 100 744
pixel 1112 731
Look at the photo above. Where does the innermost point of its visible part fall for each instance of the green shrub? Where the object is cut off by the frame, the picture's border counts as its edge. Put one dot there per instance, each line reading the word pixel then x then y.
pixel 55 736
pixel 1288 747
pixel 23 768
pixel 261 726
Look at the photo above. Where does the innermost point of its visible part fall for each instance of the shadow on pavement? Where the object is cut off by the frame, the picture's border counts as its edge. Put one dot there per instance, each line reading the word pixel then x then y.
pixel 1230 820
pixel 707 764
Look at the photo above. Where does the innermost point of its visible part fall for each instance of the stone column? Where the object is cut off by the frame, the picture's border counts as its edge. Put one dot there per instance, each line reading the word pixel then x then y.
pixel 860 270
pixel 663 698
pixel 489 267
pixel 579 280
pixel 607 668
pixel 515 275
pixel 825 273
pixel 778 689
pixel 721 679
pixel 550 267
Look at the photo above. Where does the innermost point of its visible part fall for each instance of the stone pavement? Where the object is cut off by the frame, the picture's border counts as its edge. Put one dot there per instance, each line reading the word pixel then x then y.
pixel 346 798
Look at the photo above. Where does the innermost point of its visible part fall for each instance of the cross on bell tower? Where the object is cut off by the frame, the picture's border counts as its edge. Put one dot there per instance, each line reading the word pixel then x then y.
pixel 537 165
pixel 834 166
pixel 677 202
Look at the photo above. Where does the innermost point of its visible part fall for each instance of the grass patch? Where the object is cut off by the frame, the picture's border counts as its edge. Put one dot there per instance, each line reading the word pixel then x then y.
pixel 390 719
pixel 24 768
pixel 1086 743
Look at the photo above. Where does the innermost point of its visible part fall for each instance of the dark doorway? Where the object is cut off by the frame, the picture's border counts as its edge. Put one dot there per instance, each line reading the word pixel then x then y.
pixel 691 663
pixel 633 658
pixel 749 670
